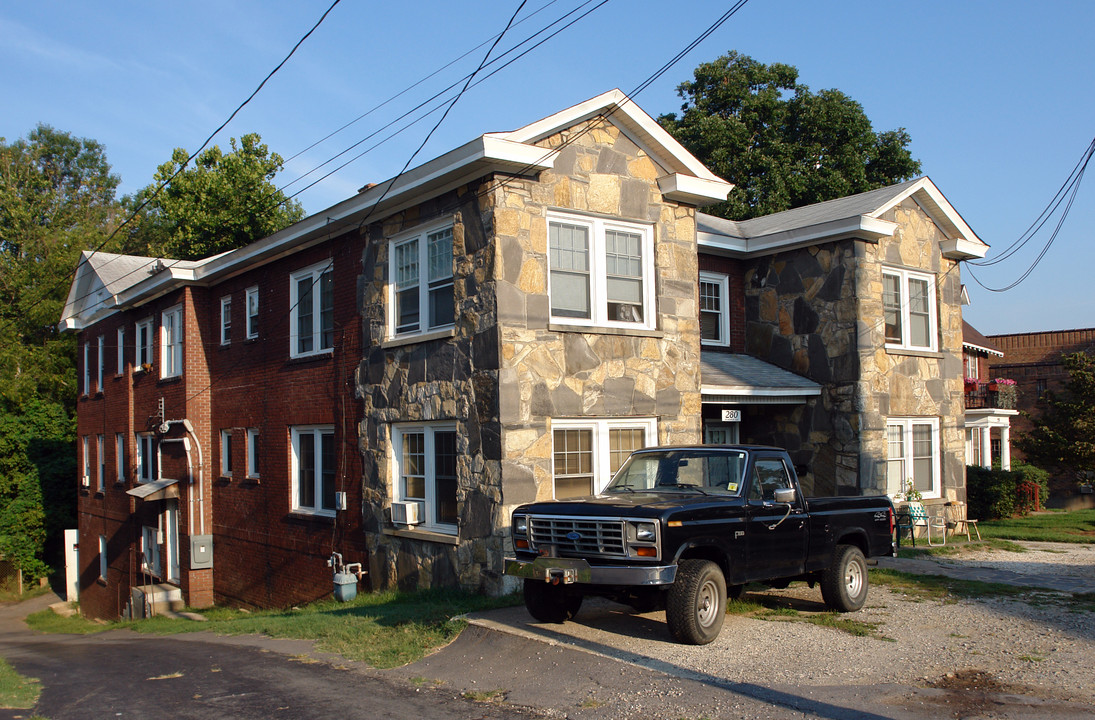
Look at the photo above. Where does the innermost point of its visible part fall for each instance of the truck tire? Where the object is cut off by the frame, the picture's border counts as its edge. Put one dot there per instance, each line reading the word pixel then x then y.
pixel 551 603
pixel 844 584
pixel 696 604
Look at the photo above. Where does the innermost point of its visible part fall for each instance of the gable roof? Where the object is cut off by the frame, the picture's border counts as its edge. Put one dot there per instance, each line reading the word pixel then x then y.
pixel 514 152
pixel 852 216
pixel 973 339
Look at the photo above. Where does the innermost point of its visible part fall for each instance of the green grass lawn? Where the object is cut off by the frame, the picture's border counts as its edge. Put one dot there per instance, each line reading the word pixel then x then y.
pixel 16 691
pixel 1077 526
pixel 384 629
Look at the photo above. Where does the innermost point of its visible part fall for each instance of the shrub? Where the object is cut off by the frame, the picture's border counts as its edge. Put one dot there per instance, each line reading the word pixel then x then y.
pixel 1036 476
pixel 991 494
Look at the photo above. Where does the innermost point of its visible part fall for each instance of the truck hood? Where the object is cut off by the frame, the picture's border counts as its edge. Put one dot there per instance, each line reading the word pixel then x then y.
pixel 638 504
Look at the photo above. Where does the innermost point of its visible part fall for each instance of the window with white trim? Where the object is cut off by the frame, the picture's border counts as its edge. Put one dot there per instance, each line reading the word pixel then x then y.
pixel 311 311
pixel 971 366
pixel 424 458
pixel 714 309
pixel 313 470
pixel 252 304
pixel 226 453
pixel 100 463
pixel 142 341
pixel 121 350
pixel 421 289
pixel 909 308
pixel 119 457
pixel 171 342
pixel 103 564
pixel 87 369
pixel 101 365
pixel 253 437
pixel 226 320
pixel 85 466
pixel 913 453
pixel 147 461
pixel 973 446
pixel 600 272
pixel 586 453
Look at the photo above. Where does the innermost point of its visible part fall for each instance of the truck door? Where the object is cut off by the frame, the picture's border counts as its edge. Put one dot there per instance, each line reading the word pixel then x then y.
pixel 776 538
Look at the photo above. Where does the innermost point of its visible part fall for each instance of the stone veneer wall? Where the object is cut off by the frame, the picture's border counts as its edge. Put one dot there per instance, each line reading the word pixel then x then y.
pixel 801 309
pixel 446 379
pixel 556 371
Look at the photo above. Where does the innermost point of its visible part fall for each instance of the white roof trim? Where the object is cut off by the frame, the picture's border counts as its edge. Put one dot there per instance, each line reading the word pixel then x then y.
pixel 860 226
pixel 693 190
pixel 757 391
pixel 982 349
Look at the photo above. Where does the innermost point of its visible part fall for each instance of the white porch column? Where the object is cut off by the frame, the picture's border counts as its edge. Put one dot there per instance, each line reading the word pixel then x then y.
pixel 1005 447
pixel 986 447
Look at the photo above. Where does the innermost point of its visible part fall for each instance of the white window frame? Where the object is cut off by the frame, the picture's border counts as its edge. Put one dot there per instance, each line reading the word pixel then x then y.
pixel 972 367
pixel 253 436
pixel 422 284
pixel 601 428
pixel 723 283
pixel 102 362
pixel 172 332
pixel 296 434
pixel 121 350
pixel 85 468
pixel 119 457
pixel 906 425
pixel 103 564
pixel 87 368
pixel 429 431
pixel 905 276
pixel 100 463
pixel 598 281
pixel 226 320
pixel 251 308
pixel 317 336
pixel 142 343
pixel 226 453
pixel 147 457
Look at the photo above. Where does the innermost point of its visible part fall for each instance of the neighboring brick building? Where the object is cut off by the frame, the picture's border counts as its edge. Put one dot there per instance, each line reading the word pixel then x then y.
pixel 501 324
pixel 990 402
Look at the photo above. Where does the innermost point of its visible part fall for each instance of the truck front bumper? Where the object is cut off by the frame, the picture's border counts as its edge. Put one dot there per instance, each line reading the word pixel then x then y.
pixel 576 570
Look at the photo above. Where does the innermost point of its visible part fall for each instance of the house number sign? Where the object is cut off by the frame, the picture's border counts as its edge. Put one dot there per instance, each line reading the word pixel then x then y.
pixel 731 415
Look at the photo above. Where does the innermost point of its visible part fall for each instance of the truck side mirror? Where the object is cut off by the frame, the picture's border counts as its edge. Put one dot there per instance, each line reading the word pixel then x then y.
pixel 784 495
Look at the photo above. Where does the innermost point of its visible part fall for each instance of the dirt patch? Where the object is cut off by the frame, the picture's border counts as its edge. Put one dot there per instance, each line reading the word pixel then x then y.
pixel 971 680
pixel 972 693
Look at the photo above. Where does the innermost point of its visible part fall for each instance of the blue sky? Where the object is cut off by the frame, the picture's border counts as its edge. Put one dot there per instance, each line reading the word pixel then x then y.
pixel 996 95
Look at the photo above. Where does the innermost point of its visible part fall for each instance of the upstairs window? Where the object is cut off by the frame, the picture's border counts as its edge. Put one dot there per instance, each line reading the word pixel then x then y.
pixel 146 457
pixel 312 311
pixel 253 437
pixel 226 320
pixel 102 363
pixel 171 343
pixel 421 296
pixel 119 457
pixel 601 272
pixel 100 463
pixel 142 340
pixel 226 453
pixel 252 313
pixel 121 350
pixel 909 307
pixel 87 368
pixel 313 470
pixel 714 313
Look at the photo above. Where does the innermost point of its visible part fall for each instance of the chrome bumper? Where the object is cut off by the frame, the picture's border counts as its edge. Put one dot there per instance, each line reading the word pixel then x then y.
pixel 577 570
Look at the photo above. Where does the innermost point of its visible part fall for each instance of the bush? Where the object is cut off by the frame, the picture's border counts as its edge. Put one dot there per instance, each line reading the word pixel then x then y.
pixel 1036 476
pixel 990 494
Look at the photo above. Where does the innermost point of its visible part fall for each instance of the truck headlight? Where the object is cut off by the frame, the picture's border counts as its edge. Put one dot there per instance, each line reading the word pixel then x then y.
pixel 520 524
pixel 645 532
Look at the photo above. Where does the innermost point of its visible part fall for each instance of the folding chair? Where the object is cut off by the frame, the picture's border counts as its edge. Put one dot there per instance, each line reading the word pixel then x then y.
pixel 961 520
pixel 903 523
pixel 920 518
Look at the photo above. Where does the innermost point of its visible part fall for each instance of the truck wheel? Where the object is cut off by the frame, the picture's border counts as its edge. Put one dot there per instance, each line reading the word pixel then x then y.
pixel 551 603
pixel 696 605
pixel 844 584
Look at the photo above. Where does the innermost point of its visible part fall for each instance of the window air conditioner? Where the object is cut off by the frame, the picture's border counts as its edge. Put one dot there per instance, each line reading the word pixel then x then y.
pixel 407 513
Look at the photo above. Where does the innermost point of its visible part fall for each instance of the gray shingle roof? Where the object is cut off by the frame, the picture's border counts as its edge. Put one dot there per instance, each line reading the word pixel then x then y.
pixel 736 373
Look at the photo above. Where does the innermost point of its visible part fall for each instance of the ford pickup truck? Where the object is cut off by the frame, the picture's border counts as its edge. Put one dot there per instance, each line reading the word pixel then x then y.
pixel 684 527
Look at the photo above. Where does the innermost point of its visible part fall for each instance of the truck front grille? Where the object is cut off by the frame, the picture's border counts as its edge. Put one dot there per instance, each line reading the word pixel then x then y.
pixel 578 536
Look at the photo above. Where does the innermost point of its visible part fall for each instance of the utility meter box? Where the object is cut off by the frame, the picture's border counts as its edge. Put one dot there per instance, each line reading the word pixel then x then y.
pixel 201 552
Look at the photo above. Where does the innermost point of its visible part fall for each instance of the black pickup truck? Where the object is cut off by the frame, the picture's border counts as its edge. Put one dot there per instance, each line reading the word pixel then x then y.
pixel 684 526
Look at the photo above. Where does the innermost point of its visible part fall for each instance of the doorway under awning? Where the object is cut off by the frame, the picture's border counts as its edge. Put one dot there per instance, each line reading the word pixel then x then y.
pixel 163 489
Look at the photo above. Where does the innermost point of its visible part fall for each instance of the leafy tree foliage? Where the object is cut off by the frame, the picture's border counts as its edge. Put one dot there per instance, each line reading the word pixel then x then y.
pixel 221 202
pixel 781 144
pixel 1063 437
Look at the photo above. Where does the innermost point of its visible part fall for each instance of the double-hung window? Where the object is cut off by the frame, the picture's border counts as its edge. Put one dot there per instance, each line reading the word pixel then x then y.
pixel 601 272
pixel 313 470
pixel 121 350
pixel 102 363
pixel 425 472
pixel 87 368
pixel 714 314
pixel 252 296
pixel 146 457
pixel 103 562
pixel 912 454
pixel 421 295
pixel 226 320
pixel 253 452
pixel 85 466
pixel 119 457
pixel 312 310
pixel 909 308
pixel 171 342
pixel 142 341
pixel 226 453
pixel 586 453
pixel 100 463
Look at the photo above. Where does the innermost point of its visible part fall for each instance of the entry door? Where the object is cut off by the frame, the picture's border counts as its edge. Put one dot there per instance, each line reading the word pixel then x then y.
pixel 150 550
pixel 171 538
pixel 777 540
pixel 720 434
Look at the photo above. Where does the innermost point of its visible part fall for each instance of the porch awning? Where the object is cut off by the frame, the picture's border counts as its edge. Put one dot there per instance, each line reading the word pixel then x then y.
pixel 745 380
pixel 164 489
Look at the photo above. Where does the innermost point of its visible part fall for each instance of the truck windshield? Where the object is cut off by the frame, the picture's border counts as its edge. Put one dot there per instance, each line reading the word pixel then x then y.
pixel 697 470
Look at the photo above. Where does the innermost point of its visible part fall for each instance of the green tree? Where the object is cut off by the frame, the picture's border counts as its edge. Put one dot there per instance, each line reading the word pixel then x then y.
pixel 781 144
pixel 222 201
pixel 57 197
pixel 1063 436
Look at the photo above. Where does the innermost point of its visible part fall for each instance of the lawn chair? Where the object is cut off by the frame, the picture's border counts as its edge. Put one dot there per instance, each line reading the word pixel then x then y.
pixel 920 517
pixel 960 520
pixel 902 524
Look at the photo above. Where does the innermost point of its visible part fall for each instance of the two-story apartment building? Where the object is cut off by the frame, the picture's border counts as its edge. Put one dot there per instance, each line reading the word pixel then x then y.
pixel 389 377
